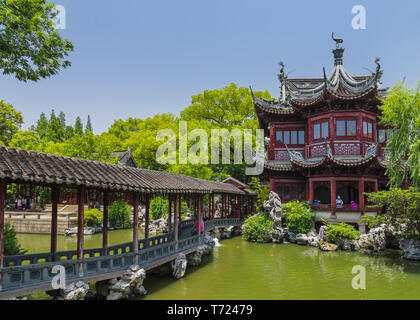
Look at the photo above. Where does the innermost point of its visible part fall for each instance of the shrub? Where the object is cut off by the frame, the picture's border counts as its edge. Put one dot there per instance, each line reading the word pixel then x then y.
pixel 341 231
pixel 119 214
pixel 93 218
pixel 158 207
pixel 257 229
pixel 299 216
pixel 374 221
pixel 402 209
pixel 11 244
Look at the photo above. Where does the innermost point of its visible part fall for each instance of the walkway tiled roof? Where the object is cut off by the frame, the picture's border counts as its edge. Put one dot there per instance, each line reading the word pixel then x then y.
pixel 17 165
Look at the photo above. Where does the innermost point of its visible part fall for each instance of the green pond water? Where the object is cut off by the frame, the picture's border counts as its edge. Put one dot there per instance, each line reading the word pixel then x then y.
pixel 242 270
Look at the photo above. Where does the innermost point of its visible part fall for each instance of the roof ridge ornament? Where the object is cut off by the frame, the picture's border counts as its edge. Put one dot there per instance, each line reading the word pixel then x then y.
pixel 338 52
pixel 371 151
pixel 337 40
pixel 282 77
pixel 294 155
pixel 378 73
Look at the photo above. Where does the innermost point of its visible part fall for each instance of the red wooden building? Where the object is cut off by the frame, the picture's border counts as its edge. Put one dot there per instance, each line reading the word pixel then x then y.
pixel 325 141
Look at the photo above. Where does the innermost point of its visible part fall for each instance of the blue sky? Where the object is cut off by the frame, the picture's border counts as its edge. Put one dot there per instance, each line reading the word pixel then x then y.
pixel 138 58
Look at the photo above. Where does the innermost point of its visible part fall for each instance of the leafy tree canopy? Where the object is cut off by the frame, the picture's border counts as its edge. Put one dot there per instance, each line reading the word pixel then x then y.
pixel 401 111
pixel 10 121
pixel 30 47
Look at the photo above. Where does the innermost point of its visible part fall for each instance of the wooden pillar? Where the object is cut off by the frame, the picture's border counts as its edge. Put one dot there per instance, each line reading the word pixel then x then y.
pixel 105 223
pixel 80 224
pixel 224 206
pixel 135 200
pixel 241 207
pixel 200 212
pixel 179 209
pixel 3 189
pixel 333 196
pixel 228 206
pixel 212 206
pixel 176 216
pixel 169 214
pixel 361 196
pixel 146 220
pixel 376 185
pixel 311 192
pixel 54 202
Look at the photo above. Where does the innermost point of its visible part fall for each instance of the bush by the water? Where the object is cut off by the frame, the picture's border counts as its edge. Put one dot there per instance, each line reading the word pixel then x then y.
pixel 341 231
pixel 93 218
pixel 119 215
pixel 158 207
pixel 299 216
pixel 257 229
pixel 374 221
pixel 11 244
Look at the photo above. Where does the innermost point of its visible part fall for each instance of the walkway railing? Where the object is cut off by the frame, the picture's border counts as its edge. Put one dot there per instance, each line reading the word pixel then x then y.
pixel 35 270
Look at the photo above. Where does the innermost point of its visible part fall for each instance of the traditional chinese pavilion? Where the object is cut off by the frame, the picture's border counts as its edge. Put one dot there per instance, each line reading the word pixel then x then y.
pixel 325 140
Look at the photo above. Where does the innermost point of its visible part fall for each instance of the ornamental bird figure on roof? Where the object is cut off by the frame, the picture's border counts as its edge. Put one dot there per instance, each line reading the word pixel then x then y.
pixel 337 40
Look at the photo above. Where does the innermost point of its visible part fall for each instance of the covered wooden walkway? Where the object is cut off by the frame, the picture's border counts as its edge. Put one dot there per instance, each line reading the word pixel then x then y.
pixel 138 185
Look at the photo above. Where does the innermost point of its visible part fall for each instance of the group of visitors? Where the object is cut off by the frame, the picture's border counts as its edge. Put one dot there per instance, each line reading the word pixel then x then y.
pixel 22 204
pixel 339 203
pixel 95 205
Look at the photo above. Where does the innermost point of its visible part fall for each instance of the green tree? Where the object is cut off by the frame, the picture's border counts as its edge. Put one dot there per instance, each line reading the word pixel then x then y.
pixel 88 125
pixel 401 209
pixel 27 140
pixel 56 131
pixel 122 128
pixel 158 207
pixel 299 216
pixel 119 215
pixel 30 47
pixel 78 126
pixel 10 121
pixel 11 244
pixel 228 107
pixel 41 127
pixel 401 110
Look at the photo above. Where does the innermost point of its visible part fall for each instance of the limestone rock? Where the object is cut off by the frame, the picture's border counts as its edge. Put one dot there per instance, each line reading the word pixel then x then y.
pixel 86 231
pixel 209 244
pixel 346 244
pixel 226 232
pixel 278 235
pixel 74 291
pixel 322 231
pixel 178 266
pixel 372 242
pixel 194 258
pixel 326 246
pixel 411 249
pixel 129 285
pixel 302 239
pixel 314 241
pixel 273 207
pixel 289 235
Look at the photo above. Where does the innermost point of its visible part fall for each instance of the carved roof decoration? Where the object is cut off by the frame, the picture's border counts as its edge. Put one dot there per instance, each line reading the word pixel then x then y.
pixel 339 85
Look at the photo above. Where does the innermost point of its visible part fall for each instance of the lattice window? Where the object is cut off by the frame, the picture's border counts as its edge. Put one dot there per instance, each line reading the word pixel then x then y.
pixel 318 151
pixel 347 149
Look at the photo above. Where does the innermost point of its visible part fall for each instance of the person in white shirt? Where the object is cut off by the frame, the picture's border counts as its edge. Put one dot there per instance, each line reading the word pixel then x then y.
pixel 339 202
